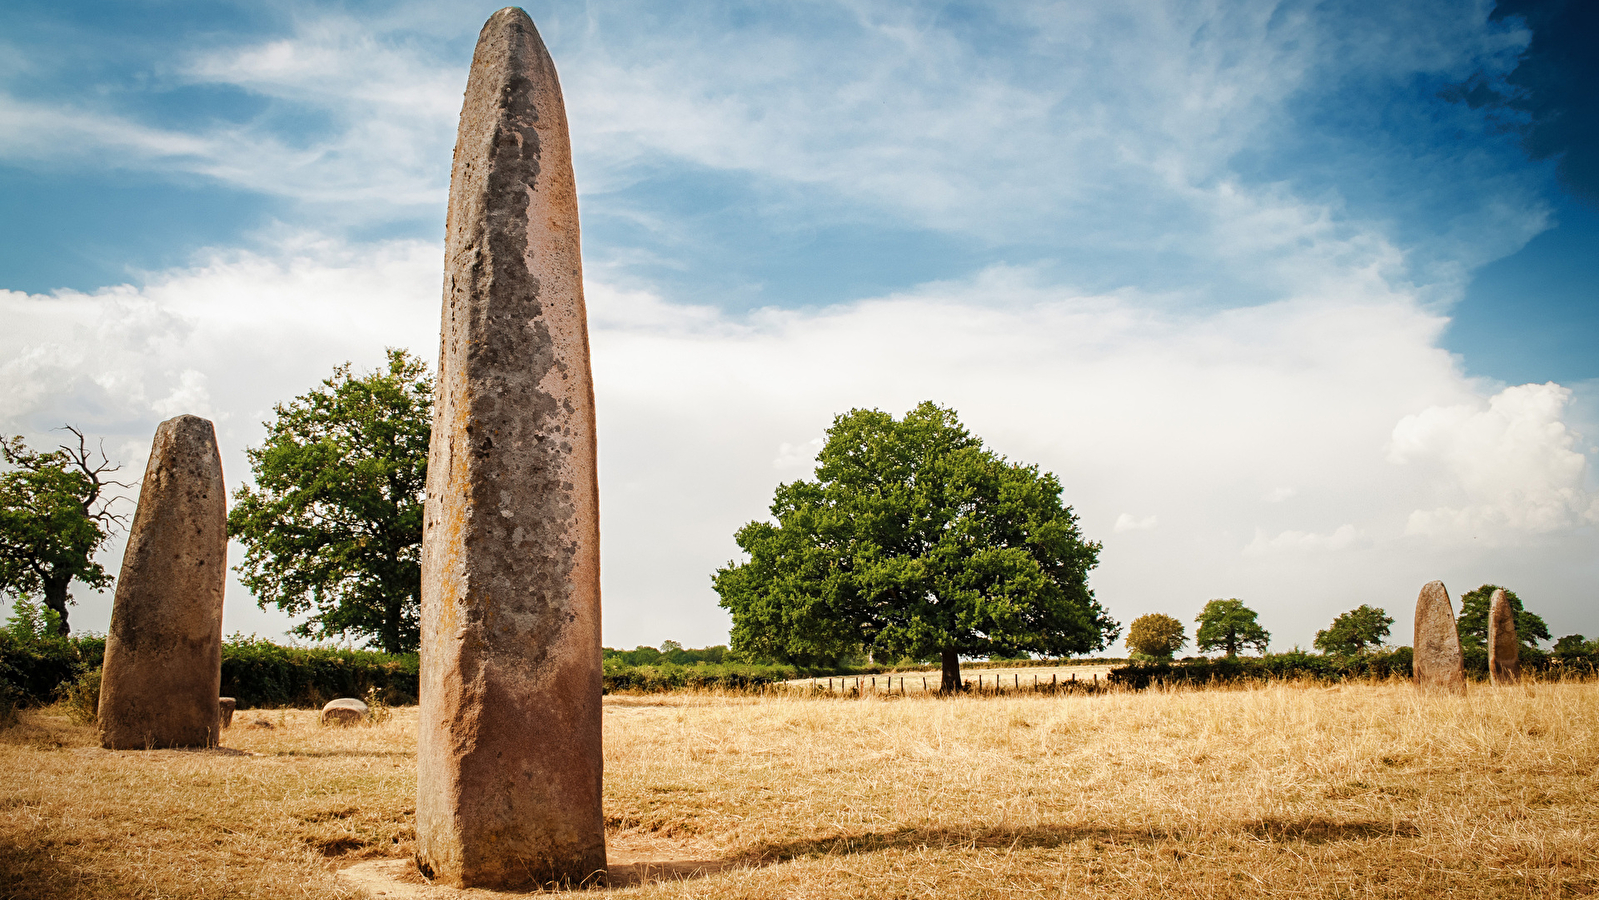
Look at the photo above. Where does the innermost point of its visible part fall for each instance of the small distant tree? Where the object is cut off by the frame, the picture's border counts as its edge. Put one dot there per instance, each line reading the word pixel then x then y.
pixel 1473 621
pixel 333 525
pixel 32 621
pixel 1229 625
pixel 1156 636
pixel 54 516
pixel 1354 631
pixel 914 541
pixel 1575 645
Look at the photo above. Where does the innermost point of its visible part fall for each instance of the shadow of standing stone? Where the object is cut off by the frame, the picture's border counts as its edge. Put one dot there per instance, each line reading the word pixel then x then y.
pixel 1437 662
pixel 1504 650
pixel 163 655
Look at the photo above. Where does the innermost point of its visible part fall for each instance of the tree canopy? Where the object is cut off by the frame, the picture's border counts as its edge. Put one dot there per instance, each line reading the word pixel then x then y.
pixel 1473 621
pixel 1156 636
pixel 1575 645
pixel 1354 631
pixel 333 525
pixel 1229 625
pixel 54 517
pixel 914 541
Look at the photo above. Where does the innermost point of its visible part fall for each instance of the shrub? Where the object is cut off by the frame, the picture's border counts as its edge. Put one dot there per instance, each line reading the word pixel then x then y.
pixel 35 669
pixel 81 697
pixel 10 698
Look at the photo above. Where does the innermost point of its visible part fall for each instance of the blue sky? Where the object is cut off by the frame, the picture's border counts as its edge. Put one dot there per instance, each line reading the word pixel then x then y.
pixel 1282 290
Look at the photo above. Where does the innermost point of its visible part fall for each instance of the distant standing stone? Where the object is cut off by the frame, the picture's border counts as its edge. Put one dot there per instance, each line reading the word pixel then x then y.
pixel 344 711
pixel 509 759
pixel 163 655
pixel 1437 662
pixel 1504 650
pixel 226 706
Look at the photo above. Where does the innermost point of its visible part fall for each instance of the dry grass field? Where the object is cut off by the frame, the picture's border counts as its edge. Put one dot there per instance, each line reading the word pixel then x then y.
pixel 1357 790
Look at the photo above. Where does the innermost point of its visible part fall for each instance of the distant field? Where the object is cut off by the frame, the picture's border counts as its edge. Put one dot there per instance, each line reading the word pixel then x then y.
pixel 1351 790
pixel 930 679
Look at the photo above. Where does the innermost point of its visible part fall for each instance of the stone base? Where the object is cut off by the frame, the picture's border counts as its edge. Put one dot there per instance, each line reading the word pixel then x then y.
pixel 398 879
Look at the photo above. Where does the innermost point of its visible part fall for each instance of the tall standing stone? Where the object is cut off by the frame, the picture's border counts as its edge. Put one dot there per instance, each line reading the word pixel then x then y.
pixel 1437 662
pixel 509 761
pixel 163 655
pixel 1504 650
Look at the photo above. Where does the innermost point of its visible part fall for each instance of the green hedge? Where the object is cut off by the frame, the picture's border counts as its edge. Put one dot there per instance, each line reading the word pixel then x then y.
pixel 1391 663
pixel 257 673
pixel 622 678
pixel 1291 665
pixel 260 673
pixel 34 670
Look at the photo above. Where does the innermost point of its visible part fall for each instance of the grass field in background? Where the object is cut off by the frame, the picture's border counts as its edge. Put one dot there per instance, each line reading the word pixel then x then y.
pixel 1349 790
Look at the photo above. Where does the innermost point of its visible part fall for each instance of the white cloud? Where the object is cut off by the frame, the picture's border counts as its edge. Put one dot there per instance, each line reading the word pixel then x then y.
pixel 1278 494
pixel 1132 404
pixel 1510 464
pixel 1129 522
pixel 800 456
pixel 1342 537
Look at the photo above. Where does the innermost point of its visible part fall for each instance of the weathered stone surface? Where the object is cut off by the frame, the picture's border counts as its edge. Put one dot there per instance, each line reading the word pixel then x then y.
pixel 226 706
pixel 344 711
pixel 163 655
pixel 1504 650
pixel 509 761
pixel 1437 662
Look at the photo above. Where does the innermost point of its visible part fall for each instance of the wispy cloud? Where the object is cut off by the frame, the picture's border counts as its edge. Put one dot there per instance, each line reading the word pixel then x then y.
pixel 1169 145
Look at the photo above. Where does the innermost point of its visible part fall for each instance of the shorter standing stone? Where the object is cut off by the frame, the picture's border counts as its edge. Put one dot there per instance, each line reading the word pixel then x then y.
pixel 1504 650
pixel 226 706
pixel 1437 661
pixel 163 653
pixel 344 711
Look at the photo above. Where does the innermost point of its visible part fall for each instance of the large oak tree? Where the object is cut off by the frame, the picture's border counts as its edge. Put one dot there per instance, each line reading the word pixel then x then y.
pixel 333 525
pixel 914 541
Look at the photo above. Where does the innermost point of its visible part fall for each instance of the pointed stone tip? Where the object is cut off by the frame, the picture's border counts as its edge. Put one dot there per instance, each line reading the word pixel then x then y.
pixel 507 17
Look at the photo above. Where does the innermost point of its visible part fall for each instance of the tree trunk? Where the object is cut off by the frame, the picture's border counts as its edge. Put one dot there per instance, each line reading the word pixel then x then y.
pixel 55 597
pixel 391 624
pixel 950 682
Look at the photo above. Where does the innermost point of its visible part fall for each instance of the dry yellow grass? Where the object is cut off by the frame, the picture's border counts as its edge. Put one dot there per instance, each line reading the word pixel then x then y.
pixel 1357 790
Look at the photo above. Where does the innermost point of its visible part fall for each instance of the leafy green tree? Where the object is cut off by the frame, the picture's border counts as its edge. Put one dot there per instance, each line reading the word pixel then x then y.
pixel 1354 631
pixel 333 525
pixel 914 541
pixel 32 621
pixel 54 516
pixel 1156 636
pixel 1228 625
pixel 1575 645
pixel 1473 621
